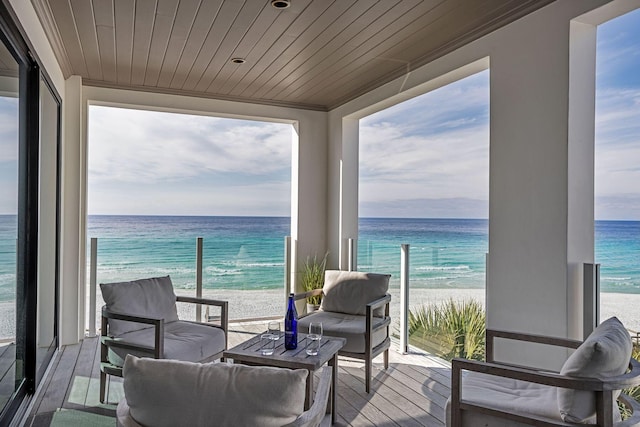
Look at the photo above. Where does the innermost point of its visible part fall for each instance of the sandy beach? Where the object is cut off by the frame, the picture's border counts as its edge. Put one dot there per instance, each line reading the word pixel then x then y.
pixel 269 303
pixel 253 304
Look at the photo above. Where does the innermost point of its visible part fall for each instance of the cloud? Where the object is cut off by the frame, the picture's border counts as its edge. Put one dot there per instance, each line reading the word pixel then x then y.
pixel 144 146
pixel 144 162
pixel 429 155
pixel 458 207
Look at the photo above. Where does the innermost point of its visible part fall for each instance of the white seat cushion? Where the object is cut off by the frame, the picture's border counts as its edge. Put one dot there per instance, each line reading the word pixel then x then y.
pixel 506 394
pixel 182 341
pixel 347 326
pixel 169 393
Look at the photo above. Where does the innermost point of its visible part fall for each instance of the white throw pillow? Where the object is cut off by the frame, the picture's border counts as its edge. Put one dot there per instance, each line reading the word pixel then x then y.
pixel 152 297
pixel 170 393
pixel 605 353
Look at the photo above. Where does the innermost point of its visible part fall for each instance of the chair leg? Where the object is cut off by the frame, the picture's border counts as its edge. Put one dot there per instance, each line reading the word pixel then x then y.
pixel 103 386
pixel 386 359
pixel 367 374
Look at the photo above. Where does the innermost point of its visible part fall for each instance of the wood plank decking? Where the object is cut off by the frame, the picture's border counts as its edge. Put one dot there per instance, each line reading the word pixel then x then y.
pixel 412 392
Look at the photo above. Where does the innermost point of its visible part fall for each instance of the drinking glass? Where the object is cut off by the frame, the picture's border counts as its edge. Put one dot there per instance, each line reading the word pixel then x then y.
pixel 267 344
pixel 273 328
pixel 314 338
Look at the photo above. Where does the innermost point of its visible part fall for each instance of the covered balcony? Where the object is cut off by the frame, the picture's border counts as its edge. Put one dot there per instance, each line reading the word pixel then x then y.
pixel 320 66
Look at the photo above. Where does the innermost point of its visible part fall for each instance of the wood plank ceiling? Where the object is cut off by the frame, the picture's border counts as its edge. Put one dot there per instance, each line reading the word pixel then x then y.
pixel 315 54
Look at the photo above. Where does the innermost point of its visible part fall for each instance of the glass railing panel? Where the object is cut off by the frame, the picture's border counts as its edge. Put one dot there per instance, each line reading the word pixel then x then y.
pixel 248 273
pixel 438 273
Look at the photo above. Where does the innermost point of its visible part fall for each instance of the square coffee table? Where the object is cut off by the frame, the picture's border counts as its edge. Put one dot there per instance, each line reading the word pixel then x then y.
pixel 249 353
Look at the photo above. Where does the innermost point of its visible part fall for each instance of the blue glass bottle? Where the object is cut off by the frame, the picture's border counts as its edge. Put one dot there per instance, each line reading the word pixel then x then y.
pixel 291 326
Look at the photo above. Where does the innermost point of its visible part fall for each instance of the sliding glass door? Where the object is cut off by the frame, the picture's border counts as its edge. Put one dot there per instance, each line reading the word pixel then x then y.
pixel 29 217
pixel 11 354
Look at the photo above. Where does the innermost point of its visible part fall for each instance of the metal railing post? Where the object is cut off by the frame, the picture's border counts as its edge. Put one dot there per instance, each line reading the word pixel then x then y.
pixel 353 254
pixel 404 298
pixel 287 267
pixel 93 274
pixel 199 278
pixel 591 297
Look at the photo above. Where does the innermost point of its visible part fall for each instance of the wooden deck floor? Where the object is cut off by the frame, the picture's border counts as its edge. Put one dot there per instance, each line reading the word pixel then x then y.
pixel 412 392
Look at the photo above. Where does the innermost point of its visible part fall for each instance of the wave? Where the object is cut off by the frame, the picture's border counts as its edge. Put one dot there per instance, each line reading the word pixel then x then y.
pixel 444 268
pixel 262 264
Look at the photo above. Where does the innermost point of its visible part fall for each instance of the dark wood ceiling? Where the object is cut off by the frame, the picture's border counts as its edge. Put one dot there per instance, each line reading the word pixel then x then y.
pixel 315 54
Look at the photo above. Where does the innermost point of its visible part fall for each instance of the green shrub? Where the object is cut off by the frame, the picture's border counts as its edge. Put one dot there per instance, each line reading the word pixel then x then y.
pixel 451 329
pixel 313 276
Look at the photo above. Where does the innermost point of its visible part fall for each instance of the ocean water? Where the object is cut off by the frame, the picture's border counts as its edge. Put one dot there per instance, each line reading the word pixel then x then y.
pixel 247 252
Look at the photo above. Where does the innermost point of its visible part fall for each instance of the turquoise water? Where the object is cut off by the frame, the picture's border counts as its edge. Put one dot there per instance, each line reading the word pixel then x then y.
pixel 247 252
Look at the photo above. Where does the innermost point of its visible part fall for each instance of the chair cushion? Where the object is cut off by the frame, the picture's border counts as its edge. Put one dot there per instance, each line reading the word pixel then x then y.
pixel 170 393
pixel 146 297
pixel 507 394
pixel 605 353
pixel 350 291
pixel 345 326
pixel 182 341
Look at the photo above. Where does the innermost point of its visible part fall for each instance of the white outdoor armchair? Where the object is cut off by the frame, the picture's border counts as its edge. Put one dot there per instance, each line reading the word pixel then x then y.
pixel 585 391
pixel 141 318
pixel 355 306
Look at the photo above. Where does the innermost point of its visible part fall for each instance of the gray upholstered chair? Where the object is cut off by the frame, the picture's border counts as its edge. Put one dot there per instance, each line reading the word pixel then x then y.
pixel 355 306
pixel 583 392
pixel 168 393
pixel 141 318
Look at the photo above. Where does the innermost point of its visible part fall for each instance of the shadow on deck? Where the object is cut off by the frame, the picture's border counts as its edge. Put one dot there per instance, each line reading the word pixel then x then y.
pixel 412 392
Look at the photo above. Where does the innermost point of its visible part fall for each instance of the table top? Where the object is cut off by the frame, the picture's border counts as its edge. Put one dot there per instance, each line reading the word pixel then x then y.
pixel 249 352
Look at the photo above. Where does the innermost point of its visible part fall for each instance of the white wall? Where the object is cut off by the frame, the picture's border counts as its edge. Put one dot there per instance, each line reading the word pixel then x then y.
pixel 541 170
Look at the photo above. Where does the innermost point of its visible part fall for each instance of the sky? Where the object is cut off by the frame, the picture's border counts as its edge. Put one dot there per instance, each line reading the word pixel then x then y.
pixel 426 157
pixel 154 163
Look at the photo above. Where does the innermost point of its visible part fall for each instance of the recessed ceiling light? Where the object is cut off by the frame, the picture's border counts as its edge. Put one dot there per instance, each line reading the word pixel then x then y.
pixel 238 60
pixel 280 4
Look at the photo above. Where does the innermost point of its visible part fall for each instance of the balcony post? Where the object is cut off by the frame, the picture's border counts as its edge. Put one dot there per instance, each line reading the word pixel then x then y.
pixel 287 267
pixel 353 254
pixel 199 279
pixel 93 273
pixel 591 310
pixel 404 298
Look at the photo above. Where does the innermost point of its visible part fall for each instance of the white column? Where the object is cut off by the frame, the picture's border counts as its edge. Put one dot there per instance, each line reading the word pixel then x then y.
pixel 541 178
pixel 343 187
pixel 72 254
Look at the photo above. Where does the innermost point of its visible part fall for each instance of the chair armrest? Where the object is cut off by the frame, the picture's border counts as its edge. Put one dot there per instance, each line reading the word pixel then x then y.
pixel 156 323
pixel 380 302
pixel 634 406
pixel 314 415
pixel 224 307
pixel 370 328
pixel 492 334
